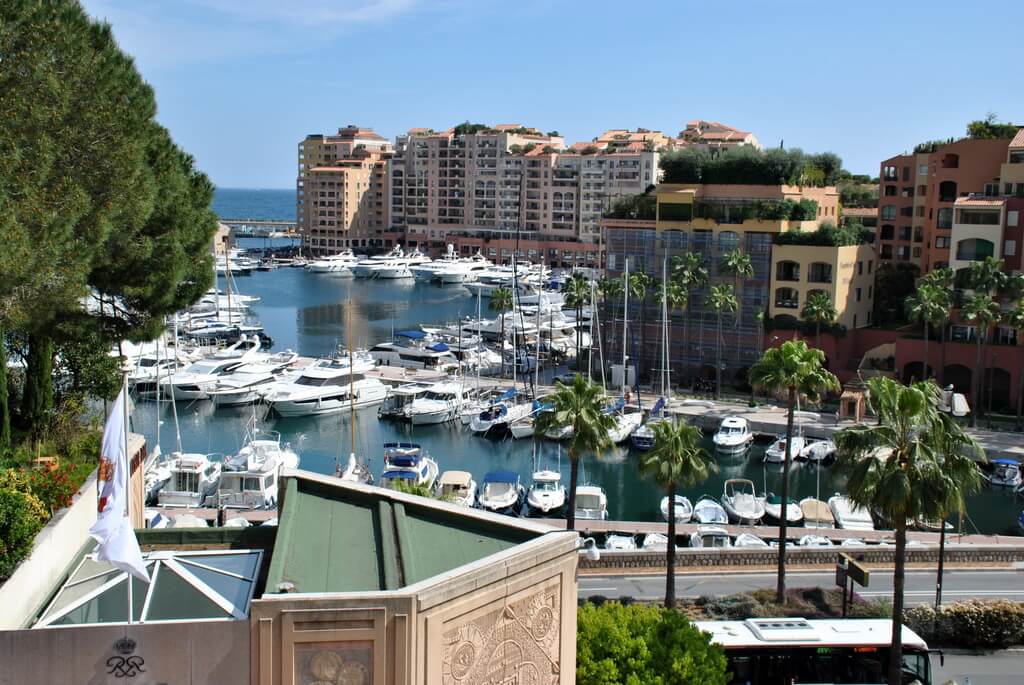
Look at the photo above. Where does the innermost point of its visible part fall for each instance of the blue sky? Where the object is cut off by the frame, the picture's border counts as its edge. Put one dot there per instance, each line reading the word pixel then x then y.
pixel 239 83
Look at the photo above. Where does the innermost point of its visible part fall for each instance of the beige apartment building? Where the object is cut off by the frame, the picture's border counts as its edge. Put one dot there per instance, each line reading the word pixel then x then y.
pixel 340 190
pixel 714 134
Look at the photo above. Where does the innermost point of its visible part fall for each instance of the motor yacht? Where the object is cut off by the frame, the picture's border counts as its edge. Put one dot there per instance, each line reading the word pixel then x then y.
pixel 341 263
pixel 733 435
pixel 776 454
pixel 741 503
pixel 848 516
pixel 193 480
pixel 249 480
pixel 683 510
pixel 707 510
pixel 327 386
pixel 619 543
pixel 546 495
pixel 405 462
pixel 457 271
pixel 497 417
pixel 591 503
pixel 627 420
pixel 749 541
pixel 1005 473
pixel 457 487
pixel 501 492
pixel 816 513
pixel 414 350
pixel 710 537
pixel 393 266
pixel 247 383
pixel 819 451
pixel 440 404
pixel 773 510
pixel 192 382
pixel 401 398
pixel 149 374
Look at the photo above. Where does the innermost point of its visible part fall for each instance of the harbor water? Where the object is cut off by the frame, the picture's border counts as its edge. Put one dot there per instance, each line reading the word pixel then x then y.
pixel 307 312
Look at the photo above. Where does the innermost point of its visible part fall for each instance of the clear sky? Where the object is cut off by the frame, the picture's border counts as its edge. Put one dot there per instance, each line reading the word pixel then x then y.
pixel 240 82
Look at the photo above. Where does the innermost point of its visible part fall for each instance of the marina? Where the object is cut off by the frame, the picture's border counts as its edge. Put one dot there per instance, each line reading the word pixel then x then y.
pixel 308 313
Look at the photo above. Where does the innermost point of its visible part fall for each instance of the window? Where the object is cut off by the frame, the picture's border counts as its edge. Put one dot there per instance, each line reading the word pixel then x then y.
pixel 888 232
pixel 860 268
pixel 870 262
pixel 889 212
pixel 908 191
pixel 787 271
pixel 906 173
pixel 918 234
pixel 1010 248
pixel 942 241
pixel 922 169
pixel 890 191
pixel 889 173
pixel 991 189
pixel 670 211
pixel 886 251
pixel 947 191
pixel 951 161
pixel 1012 217
pixel 905 233
pixel 919 211
pixel 820 272
pixel 728 241
pixel 945 218
pixel 858 294
pixel 903 253
pixel 916 252
pixel 974 249
pixel 787 298
pixel 1017 157
pixel 979 217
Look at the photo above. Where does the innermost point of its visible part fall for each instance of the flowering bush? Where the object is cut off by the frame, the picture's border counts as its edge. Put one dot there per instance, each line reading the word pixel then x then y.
pixel 973 624
pixel 21 517
pixel 54 488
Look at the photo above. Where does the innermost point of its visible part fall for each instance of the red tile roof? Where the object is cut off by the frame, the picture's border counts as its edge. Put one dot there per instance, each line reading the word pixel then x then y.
pixel 1018 140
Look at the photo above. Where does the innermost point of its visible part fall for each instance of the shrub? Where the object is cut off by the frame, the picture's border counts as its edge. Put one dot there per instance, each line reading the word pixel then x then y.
pixel 54 488
pixel 21 517
pixel 972 624
pixel 644 644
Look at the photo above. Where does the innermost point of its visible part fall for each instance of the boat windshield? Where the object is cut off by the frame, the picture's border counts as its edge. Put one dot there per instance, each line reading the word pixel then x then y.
pixel 497 490
pixel 714 540
pixel 312 382
pixel 546 486
pixel 454 490
pixel 588 502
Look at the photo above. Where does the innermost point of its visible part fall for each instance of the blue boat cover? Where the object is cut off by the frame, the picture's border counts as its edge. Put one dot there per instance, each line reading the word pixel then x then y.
pixel 402 445
pixel 507 395
pixel 658 406
pixel 438 347
pixel 542 406
pixel 501 477
pixel 412 335
pixel 619 404
pixel 407 475
pixel 1005 461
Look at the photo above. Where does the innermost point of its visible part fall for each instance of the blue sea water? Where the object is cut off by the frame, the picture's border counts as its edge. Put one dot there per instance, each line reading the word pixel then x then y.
pixel 255 203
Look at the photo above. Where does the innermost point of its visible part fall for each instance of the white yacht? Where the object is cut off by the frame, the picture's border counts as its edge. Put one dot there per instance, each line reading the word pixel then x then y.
pixel 498 416
pixel 776 454
pixel 193 382
pixel 733 435
pixel 627 420
pixel 523 428
pixel 707 510
pixel 683 509
pixel 501 492
pixel 546 494
pixel 655 542
pixel 327 386
pixel 848 516
pixel 249 480
pixel 773 510
pixel 400 398
pixel 1005 473
pixel 710 537
pixel 462 270
pixel 749 540
pixel 619 543
pixel 150 373
pixel 814 541
pixel 341 263
pixel 414 350
pixel 405 462
pixel 816 513
pixel 392 266
pixel 457 487
pixel 741 503
pixel 591 503
pixel 819 451
pixel 246 384
pixel 193 479
pixel 441 403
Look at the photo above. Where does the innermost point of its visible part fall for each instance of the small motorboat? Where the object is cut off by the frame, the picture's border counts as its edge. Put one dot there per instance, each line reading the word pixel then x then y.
pixel 523 428
pixel 193 479
pixel 819 451
pixel 814 541
pixel 405 462
pixel 707 510
pixel 710 537
pixel 591 503
pixel 501 492
pixel 683 509
pixel 546 494
pixel 816 513
pixel 619 543
pixel 733 435
pixel 773 510
pixel 852 542
pixel 741 503
pixel 1005 473
pixel 749 540
pixel 249 479
pixel 848 516
pixel 457 487
pixel 655 542
pixel 776 454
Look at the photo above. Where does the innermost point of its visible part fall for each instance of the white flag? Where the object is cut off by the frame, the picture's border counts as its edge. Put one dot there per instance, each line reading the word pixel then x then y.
pixel 112 530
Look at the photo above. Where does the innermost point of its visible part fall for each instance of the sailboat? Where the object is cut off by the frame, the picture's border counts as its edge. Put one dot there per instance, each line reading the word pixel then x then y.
pixel 643 437
pixel 625 421
pixel 355 470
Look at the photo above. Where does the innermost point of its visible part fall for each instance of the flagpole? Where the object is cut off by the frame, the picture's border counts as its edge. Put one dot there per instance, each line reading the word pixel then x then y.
pixel 128 480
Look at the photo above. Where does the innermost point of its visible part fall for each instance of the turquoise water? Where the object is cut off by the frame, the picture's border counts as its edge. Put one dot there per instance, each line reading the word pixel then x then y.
pixel 308 312
pixel 248 203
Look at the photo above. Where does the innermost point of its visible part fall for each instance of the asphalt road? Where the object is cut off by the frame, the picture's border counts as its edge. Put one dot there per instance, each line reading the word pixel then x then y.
pixel 998 668
pixel 958 584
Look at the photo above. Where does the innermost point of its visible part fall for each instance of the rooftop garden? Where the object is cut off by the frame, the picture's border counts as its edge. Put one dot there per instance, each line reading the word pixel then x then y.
pixel 828 235
pixel 638 207
pixel 748 165
pixel 982 129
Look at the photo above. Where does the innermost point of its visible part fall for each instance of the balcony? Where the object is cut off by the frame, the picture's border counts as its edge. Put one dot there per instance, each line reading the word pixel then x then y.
pixel 787 298
pixel 819 272
pixel 787 271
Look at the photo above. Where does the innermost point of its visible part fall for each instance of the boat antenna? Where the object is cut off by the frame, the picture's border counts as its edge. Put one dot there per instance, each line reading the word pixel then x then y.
pixel 174 402
pixel 351 376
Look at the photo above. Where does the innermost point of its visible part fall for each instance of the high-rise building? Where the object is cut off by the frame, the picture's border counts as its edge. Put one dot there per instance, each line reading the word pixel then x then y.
pixel 340 190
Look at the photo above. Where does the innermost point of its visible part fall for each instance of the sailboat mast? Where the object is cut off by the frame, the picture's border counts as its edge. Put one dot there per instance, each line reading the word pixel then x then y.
pixel 351 376
pixel 625 319
pixel 665 382
pixel 174 402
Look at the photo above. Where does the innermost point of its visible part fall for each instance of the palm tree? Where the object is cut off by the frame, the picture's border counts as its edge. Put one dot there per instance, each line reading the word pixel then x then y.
pixel 797 370
pixel 688 269
pixel 818 310
pixel 739 265
pixel 987 275
pixel 577 295
pixel 676 459
pixel 721 300
pixel 639 283
pixel 984 311
pixel 901 470
pixel 943 279
pixel 675 294
pixel 609 289
pixel 1015 319
pixel 501 302
pixel 580 405
pixel 928 305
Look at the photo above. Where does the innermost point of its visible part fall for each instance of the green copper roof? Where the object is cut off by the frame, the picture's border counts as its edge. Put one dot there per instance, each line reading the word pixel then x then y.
pixel 339 539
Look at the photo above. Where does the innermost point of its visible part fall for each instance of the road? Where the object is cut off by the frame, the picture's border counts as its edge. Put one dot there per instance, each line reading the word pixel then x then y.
pixel 959 584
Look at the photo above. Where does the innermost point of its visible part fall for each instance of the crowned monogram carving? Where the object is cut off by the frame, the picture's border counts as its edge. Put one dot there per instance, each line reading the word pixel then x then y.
pixel 516 644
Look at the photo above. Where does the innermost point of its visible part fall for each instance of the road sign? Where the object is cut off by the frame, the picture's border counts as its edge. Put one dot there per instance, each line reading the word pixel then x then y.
pixel 855 571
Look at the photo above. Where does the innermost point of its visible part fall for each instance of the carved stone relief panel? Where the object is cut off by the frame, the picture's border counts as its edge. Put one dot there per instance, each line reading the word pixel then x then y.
pixel 334 663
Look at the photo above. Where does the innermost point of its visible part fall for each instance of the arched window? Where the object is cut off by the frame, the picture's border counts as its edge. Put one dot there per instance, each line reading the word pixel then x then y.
pixel 787 271
pixel 947 191
pixel 974 249
pixel 728 241
pixel 787 298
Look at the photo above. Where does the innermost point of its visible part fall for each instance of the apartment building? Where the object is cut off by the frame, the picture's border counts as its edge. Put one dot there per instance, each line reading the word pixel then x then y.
pixel 340 190
pixel 918 193
pixel 509 188
pixel 711 220
pixel 714 135
pixel 618 139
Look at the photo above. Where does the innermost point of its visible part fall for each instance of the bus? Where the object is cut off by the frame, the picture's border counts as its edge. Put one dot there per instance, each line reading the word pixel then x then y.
pixel 796 651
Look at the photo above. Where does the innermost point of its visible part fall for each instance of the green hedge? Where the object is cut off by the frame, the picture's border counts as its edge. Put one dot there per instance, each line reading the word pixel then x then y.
pixel 21 517
pixel 973 624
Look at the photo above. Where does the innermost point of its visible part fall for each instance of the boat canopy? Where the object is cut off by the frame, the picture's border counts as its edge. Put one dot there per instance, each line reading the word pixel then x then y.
pixel 411 335
pixel 501 477
pixel 438 347
pixel 405 475
pixel 1006 462
pixel 507 395
pixel 619 404
pixel 458 478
